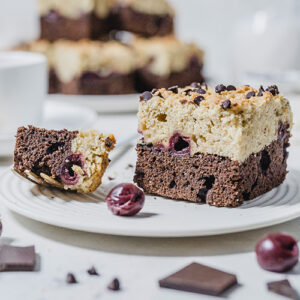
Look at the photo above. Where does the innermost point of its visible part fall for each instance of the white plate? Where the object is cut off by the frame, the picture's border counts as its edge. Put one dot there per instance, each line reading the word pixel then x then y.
pixel 57 115
pixel 159 217
pixel 101 103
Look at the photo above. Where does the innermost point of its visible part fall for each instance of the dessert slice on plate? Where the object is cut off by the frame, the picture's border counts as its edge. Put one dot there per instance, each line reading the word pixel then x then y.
pixel 69 160
pixel 220 146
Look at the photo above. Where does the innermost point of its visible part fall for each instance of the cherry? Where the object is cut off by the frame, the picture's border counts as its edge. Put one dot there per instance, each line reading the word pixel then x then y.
pixel 179 144
pixel 52 16
pixel 125 199
pixel 277 252
pixel 67 175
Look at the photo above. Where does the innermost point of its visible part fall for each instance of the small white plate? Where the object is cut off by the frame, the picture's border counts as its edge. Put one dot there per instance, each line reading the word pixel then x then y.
pixel 57 115
pixel 159 218
pixel 101 103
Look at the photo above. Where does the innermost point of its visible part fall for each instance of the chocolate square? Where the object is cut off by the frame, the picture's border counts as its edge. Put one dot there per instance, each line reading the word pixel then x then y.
pixel 17 258
pixel 283 288
pixel 201 279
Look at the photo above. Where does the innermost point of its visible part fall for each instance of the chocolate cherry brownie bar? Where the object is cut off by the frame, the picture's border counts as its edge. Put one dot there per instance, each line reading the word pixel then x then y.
pixel 146 18
pixel 92 68
pixel 165 61
pixel 218 146
pixel 67 19
pixel 69 160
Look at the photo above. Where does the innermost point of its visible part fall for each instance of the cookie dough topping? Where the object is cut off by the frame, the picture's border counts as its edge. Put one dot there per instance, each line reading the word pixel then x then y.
pixel 227 121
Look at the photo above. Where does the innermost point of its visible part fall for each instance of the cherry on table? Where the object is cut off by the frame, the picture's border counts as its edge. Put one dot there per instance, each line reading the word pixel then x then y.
pixel 277 252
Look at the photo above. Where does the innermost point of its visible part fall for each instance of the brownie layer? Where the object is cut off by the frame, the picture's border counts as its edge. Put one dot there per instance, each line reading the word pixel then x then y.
pixel 101 27
pixel 125 18
pixel 145 80
pixel 42 151
pixel 53 82
pixel 55 27
pixel 90 83
pixel 212 179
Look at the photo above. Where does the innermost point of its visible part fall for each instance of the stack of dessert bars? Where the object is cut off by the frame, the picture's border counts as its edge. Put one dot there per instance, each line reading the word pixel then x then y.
pixel 84 43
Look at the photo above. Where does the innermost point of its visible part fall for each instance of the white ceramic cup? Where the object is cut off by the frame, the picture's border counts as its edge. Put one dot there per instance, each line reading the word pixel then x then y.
pixel 23 87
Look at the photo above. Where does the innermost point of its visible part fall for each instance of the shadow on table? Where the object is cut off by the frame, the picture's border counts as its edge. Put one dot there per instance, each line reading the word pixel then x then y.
pixel 192 246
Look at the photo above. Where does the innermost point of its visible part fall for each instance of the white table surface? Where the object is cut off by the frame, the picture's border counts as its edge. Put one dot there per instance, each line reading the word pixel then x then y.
pixel 138 262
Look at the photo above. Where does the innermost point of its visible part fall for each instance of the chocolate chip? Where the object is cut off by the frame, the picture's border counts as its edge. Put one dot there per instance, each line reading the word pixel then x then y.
pixel 231 88
pixel 108 142
pixel 146 96
pixel 198 99
pixel 220 88
pixel 250 94
pixel 114 285
pixel 260 91
pixel 183 101
pixel 154 91
pixel 200 91
pixel 273 89
pixel 71 278
pixel 226 104
pixel 204 84
pixel 160 95
pixel 92 271
pixel 195 84
pixel 173 89
pixel 188 91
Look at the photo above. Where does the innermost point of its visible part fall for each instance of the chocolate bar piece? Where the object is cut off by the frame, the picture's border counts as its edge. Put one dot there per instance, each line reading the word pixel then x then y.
pixel 283 288
pixel 201 279
pixel 17 258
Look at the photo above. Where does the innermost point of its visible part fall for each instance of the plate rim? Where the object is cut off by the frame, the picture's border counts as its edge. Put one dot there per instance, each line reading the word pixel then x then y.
pixel 142 233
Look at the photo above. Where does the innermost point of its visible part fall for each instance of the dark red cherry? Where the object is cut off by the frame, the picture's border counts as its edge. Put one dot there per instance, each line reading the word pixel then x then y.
pixel 67 175
pixel 125 199
pixel 277 252
pixel 52 16
pixel 179 144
